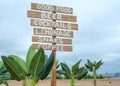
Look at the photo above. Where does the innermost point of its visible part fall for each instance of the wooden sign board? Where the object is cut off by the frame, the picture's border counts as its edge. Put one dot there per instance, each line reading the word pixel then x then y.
pixel 49 32
pixel 51 40
pixel 51 16
pixel 53 47
pixel 52 24
pixel 51 8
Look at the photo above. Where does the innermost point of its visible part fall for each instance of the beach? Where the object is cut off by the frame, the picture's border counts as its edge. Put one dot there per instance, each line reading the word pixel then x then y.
pixel 87 82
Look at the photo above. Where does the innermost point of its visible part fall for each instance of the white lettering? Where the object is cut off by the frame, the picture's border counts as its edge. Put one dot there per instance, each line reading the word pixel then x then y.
pixel 49 32
pixel 43 15
pixel 63 10
pixel 45 7
pixel 69 26
pixel 52 47
pixel 44 23
pixel 59 17
pixel 35 22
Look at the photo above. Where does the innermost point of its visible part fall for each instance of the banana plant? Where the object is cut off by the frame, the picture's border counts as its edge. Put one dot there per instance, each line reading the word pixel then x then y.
pixel 3 74
pixel 75 73
pixel 58 74
pixel 93 67
pixel 35 67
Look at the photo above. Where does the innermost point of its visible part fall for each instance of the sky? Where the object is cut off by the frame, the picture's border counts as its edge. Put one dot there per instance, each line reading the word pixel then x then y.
pixel 98 36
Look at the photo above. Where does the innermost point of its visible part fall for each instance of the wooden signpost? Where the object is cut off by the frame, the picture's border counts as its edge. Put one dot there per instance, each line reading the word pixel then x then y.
pixel 54 26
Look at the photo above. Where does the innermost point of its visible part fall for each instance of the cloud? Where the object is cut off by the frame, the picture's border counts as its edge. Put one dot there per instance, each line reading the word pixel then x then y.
pixel 97 37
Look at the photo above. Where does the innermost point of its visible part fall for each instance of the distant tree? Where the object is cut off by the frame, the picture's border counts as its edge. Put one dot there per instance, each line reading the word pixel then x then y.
pixel 88 76
pixel 117 74
pixel 93 67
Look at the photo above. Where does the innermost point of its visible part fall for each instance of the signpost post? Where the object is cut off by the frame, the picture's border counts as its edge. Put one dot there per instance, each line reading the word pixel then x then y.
pixel 51 16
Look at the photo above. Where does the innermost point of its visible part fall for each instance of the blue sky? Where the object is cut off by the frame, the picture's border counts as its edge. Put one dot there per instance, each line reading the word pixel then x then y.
pixel 98 36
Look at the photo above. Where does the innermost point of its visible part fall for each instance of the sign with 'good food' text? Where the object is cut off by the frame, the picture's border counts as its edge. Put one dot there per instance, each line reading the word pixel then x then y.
pixel 53 26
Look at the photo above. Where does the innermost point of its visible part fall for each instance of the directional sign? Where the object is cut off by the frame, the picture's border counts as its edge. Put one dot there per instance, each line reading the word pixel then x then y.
pixel 49 32
pixel 51 40
pixel 51 8
pixel 51 16
pixel 53 47
pixel 51 24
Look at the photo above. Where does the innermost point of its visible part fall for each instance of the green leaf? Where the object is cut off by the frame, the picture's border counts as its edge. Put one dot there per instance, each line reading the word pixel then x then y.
pixel 89 63
pixel 19 61
pixel 47 68
pixel 31 52
pixel 89 68
pixel 60 72
pixel 78 71
pixel 3 69
pixel 66 69
pixel 1 64
pixel 57 65
pixel 37 62
pixel 14 68
pixel 46 59
pixel 98 64
pixel 82 74
pixel 75 67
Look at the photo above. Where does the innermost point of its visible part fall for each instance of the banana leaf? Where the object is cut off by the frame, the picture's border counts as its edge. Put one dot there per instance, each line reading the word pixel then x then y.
pixel 78 71
pixel 1 64
pixel 89 68
pixel 98 64
pixel 14 68
pixel 82 74
pixel 37 62
pixel 90 63
pixel 60 72
pixel 75 67
pixel 47 67
pixel 19 61
pixel 65 68
pixel 57 65
pixel 31 52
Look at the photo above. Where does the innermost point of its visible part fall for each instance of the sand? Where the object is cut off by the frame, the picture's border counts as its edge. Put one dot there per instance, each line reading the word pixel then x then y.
pixel 102 82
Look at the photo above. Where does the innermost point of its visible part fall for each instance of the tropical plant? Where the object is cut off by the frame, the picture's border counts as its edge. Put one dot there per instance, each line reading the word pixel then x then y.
pixel 75 73
pixel 4 74
pixel 93 67
pixel 58 75
pixel 34 68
